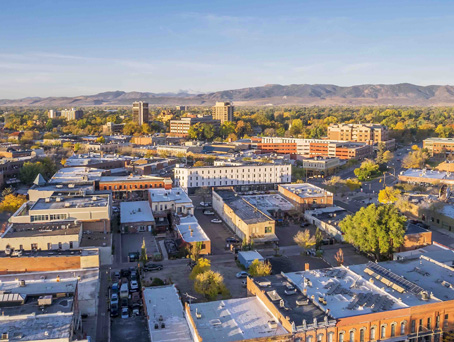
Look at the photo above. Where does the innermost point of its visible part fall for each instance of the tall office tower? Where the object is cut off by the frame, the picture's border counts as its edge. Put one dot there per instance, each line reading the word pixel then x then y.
pixel 140 112
pixel 223 111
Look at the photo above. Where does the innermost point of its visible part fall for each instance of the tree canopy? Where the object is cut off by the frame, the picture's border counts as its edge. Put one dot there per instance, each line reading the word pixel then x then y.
pixel 375 229
pixel 388 195
pixel 367 170
pixel 11 203
pixel 259 268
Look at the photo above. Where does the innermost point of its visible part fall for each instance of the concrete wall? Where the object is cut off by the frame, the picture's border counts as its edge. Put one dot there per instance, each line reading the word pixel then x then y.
pixel 41 241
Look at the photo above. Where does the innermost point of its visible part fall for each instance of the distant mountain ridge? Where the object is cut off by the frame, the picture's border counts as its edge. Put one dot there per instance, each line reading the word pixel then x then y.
pixel 403 94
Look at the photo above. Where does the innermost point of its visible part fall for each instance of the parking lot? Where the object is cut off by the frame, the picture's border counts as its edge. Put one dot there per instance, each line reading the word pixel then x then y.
pixel 133 243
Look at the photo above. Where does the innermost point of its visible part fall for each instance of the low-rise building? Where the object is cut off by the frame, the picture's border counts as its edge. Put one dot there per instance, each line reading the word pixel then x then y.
pixel 74 175
pixel 416 236
pixel 173 200
pixel 176 150
pixel 190 232
pixel 438 145
pixel 136 217
pixel 320 166
pixel 327 219
pixel 113 128
pixel 98 160
pixel 46 190
pixel 368 133
pixel 241 175
pixel 424 176
pixel 180 128
pixel 246 258
pixel 306 195
pixel 10 169
pixel 247 221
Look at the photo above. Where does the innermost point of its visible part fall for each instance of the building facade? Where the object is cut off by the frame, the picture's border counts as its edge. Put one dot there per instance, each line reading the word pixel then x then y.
pixel 140 112
pixel 438 145
pixel 306 195
pixel 223 111
pixel 72 114
pixel 180 128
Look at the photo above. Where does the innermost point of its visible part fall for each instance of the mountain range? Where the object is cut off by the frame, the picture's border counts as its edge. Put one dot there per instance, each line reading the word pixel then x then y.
pixel 403 94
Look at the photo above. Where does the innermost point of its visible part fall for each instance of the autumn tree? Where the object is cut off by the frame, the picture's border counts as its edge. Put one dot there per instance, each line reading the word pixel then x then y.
pixel 259 268
pixel 11 203
pixel 375 229
pixel 202 265
pixel 210 284
pixel 367 170
pixel 143 252
pixel 383 156
pixel 339 256
pixel 304 239
pixel 415 159
pixel 388 195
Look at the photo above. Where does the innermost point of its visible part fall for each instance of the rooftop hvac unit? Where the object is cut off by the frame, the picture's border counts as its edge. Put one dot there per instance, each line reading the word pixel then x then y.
pixel 45 300
pixel 67 205
pixel 58 199
pixel 59 186
pixel 71 185
pixel 47 200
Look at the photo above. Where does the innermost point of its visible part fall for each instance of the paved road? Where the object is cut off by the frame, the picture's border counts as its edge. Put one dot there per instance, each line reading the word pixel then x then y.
pixel 103 318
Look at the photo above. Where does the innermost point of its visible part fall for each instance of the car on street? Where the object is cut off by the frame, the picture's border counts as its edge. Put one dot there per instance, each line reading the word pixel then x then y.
pixel 117 275
pixel 133 275
pixel 205 204
pixel 134 286
pixel 232 240
pixel 153 267
pixel 216 221
pixel 242 274
pixel 114 298
pixel 115 288
pixel 208 212
pixel 124 313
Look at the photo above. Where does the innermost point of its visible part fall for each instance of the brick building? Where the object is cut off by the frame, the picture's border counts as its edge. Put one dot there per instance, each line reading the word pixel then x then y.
pixel 438 145
pixel 306 195
pixel 368 133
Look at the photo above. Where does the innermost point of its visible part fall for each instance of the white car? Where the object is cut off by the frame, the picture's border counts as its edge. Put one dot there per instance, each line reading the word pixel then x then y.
pixel 242 274
pixel 208 212
pixel 205 204
pixel 216 221
pixel 134 285
pixel 124 313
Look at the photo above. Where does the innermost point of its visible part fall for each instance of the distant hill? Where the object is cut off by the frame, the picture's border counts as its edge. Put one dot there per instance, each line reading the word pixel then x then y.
pixel 403 94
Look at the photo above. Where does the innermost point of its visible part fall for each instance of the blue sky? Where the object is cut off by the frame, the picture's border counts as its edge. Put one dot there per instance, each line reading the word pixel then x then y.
pixel 68 48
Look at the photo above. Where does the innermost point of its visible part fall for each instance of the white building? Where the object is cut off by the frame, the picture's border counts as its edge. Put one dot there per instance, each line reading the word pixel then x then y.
pixel 174 199
pixel 230 175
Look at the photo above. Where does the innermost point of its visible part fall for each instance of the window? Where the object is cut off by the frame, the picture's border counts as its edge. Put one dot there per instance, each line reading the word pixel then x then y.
pixel 429 323
pixel 437 322
pixel 49 246
pixel 413 326
pixel 352 336
pixel 341 337
pixel 402 328
pixel 319 337
pixel 34 246
pixel 393 330
pixel 372 333
pixel 309 339
pixel 420 325
pixel 362 334
pixel 383 331
pixel 71 244
pixel 60 245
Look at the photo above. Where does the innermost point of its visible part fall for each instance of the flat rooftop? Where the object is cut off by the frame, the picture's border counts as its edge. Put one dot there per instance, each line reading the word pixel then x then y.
pixel 440 140
pixel 190 224
pixel 242 208
pixel 175 195
pixel 332 215
pixel 269 203
pixel 84 188
pixel 54 228
pixel 164 306
pixel 76 175
pixel 234 320
pixel 56 202
pixel 30 305
pixel 305 190
pixel 427 174
pixel 38 287
pixel 134 212
pixel 35 328
pixel 133 178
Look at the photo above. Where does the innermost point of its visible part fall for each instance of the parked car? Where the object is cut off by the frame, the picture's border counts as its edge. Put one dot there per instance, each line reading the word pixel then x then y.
pixel 124 313
pixel 216 220
pixel 133 275
pixel 124 290
pixel 115 288
pixel 117 275
pixel 136 310
pixel 205 204
pixel 135 298
pixel 134 285
pixel 17 253
pixel 232 240
pixel 114 298
pixel 114 309
pixel 208 212
pixel 133 256
pixel 242 274
pixel 124 303
pixel 153 267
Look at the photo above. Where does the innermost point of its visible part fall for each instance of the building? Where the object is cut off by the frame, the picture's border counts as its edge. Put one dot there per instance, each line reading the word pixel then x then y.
pixel 177 150
pixel 416 236
pixel 181 108
pixel 241 175
pixel 316 147
pixel 306 195
pixel 180 128
pixel 223 111
pixel 246 258
pixel 320 166
pixel 136 217
pixel 239 319
pixel 72 114
pixel 46 190
pixel 10 169
pixel 424 176
pixel 132 186
pixel 367 133
pixel 173 200
pixel 165 314
pixel 247 221
pixel 140 112
pixel 438 145
pixel 190 232
pixel 74 175
pixel 40 310
pixel 406 300
pixel 113 128
pixel 327 219
pixel 53 114
pixel 98 160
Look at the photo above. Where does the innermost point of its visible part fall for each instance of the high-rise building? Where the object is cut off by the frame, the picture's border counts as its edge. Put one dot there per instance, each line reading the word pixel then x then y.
pixel 140 112
pixel 72 114
pixel 223 111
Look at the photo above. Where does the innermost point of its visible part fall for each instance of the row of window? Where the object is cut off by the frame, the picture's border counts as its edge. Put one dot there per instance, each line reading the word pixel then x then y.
pixel 135 186
pixel 177 171
pixel 34 246
pixel 237 177
pixel 53 217
pixel 215 183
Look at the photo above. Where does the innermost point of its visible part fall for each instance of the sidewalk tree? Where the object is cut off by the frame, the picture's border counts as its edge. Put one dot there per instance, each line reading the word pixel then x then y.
pixel 259 268
pixel 388 195
pixel 375 229
pixel 304 239
pixel 383 156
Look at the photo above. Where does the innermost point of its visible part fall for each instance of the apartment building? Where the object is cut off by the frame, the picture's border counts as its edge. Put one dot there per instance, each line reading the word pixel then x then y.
pixel 72 114
pixel 246 220
pixel 223 111
pixel 180 128
pixel 316 147
pixel 438 145
pixel 306 195
pixel 320 166
pixel 231 175
pixel 140 112
pixel 368 133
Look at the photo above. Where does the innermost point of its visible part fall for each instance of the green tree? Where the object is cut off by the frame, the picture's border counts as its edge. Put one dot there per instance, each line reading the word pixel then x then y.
pixel 259 268
pixel 202 265
pixel 388 195
pixel 227 128
pixel 383 155
pixel 367 170
pixel 77 147
pixel 304 239
pixel 210 284
pixel 11 203
pixel 297 127
pixel 318 238
pixel 375 229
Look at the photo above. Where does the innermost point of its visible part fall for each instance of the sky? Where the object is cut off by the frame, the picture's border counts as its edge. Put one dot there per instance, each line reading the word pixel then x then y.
pixel 79 47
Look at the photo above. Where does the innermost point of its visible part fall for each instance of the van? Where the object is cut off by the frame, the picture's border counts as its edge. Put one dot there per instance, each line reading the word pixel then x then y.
pixel 124 290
